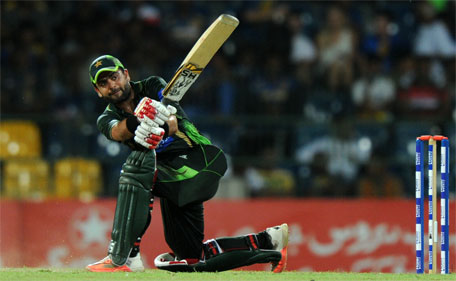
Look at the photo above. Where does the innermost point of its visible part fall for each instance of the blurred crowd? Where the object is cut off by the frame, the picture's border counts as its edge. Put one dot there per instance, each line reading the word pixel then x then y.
pixel 308 98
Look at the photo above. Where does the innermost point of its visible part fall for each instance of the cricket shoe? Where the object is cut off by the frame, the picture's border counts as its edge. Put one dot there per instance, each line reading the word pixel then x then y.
pixel 279 240
pixel 106 265
pixel 135 263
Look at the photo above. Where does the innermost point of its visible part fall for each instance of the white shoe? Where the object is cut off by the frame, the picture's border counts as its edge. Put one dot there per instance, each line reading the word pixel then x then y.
pixel 135 264
pixel 279 240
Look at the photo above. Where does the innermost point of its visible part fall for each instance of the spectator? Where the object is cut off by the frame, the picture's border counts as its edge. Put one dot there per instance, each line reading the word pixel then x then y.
pixel 434 41
pixel 374 93
pixel 268 178
pixel 336 45
pixel 379 181
pixel 303 55
pixel 406 72
pixel 346 154
pixel 245 70
pixel 303 52
pixel 321 183
pixel 433 38
pixel 272 87
pixel 421 98
pixel 383 41
pixel 271 18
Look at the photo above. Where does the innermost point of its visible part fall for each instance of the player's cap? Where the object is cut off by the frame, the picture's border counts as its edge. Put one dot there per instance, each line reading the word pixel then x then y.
pixel 103 63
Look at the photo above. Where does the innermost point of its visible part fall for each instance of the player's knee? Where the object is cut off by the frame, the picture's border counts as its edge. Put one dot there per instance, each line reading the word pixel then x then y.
pixel 139 169
pixel 140 160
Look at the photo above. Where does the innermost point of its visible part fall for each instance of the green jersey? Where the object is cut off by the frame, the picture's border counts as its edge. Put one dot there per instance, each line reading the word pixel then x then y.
pixel 187 134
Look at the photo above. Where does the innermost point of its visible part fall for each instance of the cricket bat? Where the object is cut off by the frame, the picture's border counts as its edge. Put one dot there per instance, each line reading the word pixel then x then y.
pixel 199 56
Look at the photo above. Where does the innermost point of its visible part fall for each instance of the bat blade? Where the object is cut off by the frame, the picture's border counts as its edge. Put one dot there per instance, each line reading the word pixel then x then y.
pixel 199 56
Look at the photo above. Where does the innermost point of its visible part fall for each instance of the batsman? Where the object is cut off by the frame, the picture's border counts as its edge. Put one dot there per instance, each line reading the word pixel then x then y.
pixel 170 160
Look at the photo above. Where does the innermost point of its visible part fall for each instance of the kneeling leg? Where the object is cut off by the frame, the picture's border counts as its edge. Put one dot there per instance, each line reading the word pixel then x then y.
pixel 224 254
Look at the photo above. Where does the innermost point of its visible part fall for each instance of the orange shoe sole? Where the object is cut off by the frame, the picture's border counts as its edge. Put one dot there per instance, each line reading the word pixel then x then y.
pixel 282 264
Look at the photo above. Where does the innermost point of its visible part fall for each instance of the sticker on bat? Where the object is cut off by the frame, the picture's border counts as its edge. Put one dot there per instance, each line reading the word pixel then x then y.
pixel 184 78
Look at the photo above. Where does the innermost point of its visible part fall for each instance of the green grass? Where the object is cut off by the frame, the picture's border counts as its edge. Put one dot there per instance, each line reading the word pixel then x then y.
pixel 47 274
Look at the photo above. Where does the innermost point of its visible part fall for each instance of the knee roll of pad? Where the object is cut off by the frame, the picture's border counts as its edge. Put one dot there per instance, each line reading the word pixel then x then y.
pixel 140 166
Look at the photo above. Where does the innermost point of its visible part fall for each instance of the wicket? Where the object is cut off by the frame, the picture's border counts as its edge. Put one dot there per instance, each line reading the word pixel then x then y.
pixel 432 198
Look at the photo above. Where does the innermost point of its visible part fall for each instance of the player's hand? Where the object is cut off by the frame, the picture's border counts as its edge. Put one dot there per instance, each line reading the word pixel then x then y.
pixel 148 136
pixel 154 110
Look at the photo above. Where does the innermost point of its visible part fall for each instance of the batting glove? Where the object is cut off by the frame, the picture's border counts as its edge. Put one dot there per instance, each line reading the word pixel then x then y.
pixel 148 136
pixel 154 111
pixel 171 109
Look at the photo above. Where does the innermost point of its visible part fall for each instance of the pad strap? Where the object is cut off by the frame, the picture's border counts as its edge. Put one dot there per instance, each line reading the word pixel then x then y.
pixel 214 247
pixel 211 249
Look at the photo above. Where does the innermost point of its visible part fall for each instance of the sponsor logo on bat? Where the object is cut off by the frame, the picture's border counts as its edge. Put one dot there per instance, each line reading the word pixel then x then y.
pixel 188 74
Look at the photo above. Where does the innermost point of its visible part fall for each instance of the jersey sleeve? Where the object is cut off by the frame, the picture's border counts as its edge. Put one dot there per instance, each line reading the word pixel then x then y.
pixel 106 121
pixel 185 125
pixel 154 85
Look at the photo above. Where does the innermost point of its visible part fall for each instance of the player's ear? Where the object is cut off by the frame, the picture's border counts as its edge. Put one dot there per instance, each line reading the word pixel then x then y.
pixel 98 91
pixel 127 75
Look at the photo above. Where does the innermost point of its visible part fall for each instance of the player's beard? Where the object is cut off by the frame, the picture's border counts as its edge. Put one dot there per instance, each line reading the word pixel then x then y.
pixel 125 94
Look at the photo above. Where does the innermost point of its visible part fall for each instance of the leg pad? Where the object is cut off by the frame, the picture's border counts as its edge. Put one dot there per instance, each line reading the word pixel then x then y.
pixel 132 209
pixel 222 262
